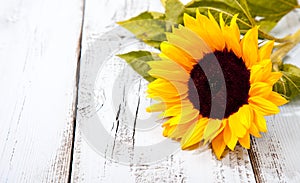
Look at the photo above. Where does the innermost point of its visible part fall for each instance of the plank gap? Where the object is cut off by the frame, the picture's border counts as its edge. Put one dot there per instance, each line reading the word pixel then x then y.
pixel 254 163
pixel 76 92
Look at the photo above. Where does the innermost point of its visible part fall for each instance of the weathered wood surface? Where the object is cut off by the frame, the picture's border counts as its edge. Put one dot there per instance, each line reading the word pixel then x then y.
pixel 115 139
pixel 39 50
pixel 120 103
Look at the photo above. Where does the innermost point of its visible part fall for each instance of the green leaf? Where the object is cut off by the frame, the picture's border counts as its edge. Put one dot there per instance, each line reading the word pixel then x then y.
pixel 289 84
pixel 228 7
pixel 138 61
pixel 148 26
pixel 174 11
pixel 270 12
pixel 147 15
pixel 243 5
pixel 265 13
pixel 163 2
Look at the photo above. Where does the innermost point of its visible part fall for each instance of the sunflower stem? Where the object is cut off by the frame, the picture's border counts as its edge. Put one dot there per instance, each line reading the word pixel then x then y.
pixel 284 48
pixel 270 37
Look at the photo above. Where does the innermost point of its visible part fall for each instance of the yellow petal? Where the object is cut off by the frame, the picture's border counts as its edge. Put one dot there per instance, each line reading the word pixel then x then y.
pixel 231 35
pixel 213 31
pixel 236 126
pixel 223 124
pixel 196 26
pixel 162 86
pixel 193 24
pixel 229 139
pixel 218 146
pixel 232 43
pixel 261 71
pixel 194 134
pixel 165 96
pixel 191 115
pixel 277 99
pixel 180 130
pixel 168 75
pixel 177 55
pixel 172 121
pixel 273 78
pixel 185 117
pixel 245 116
pixel 177 109
pixel 264 106
pixel 254 130
pixel 156 107
pixel 227 133
pixel 234 27
pixel 167 129
pixel 250 47
pixel 165 132
pixel 211 130
pixel 212 19
pixel 189 42
pixel 266 50
pixel 232 143
pixel 261 89
pixel 165 65
pixel 245 141
pixel 256 73
pixel 163 105
pixel 222 23
pixel 260 121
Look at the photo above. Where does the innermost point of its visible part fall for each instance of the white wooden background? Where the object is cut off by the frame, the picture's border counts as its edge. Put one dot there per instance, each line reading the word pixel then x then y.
pixel 49 50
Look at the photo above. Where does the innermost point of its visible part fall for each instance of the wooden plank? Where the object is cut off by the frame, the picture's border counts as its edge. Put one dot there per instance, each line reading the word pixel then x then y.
pixel 275 156
pixel 116 140
pixel 39 50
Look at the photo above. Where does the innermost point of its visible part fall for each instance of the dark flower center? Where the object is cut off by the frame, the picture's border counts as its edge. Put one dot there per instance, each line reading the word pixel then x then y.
pixel 219 84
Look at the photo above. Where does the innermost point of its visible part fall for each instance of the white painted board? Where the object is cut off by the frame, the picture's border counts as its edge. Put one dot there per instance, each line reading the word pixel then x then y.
pixel 39 50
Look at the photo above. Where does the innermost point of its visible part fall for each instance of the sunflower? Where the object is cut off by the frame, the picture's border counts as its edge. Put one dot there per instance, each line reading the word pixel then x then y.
pixel 213 86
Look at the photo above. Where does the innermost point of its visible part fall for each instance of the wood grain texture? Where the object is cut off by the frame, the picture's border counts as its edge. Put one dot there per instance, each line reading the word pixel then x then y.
pixel 120 102
pixel 275 156
pixel 39 49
